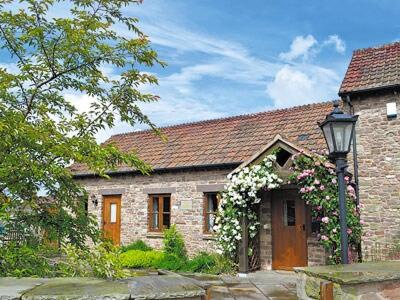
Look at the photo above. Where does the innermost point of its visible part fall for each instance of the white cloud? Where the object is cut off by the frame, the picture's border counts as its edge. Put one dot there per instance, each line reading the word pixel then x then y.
pixel 337 42
pixel 82 102
pixel 301 47
pixel 302 84
pixel 10 67
pixel 307 47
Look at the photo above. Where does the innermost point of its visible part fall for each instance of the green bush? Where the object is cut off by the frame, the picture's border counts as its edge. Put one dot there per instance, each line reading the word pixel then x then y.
pixel 136 245
pixel 209 263
pixel 222 265
pixel 104 261
pixel 174 243
pixel 171 262
pixel 141 259
pixel 24 261
pixel 200 263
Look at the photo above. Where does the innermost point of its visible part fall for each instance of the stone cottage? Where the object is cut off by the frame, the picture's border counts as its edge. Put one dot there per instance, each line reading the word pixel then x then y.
pixel 192 167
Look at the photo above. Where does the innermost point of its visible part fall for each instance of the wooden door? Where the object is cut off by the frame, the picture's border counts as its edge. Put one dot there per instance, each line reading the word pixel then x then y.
pixel 289 237
pixel 112 218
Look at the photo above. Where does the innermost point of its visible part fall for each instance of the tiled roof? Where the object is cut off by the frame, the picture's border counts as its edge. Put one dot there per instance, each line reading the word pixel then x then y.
pixel 373 68
pixel 231 140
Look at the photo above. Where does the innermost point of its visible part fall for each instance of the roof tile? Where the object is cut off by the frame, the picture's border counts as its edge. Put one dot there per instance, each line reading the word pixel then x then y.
pixel 221 141
pixel 372 68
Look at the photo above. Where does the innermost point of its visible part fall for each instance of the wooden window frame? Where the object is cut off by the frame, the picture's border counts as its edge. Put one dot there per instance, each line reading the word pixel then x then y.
pixel 206 213
pixel 161 212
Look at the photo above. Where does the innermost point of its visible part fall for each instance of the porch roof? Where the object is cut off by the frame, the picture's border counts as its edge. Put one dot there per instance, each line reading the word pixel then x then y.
pixel 222 142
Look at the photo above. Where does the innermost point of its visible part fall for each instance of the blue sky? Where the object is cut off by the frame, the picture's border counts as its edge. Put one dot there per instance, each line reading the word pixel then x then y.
pixel 229 57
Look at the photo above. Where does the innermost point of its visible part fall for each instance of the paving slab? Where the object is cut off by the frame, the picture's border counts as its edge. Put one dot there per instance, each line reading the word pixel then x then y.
pixel 79 288
pixel 13 288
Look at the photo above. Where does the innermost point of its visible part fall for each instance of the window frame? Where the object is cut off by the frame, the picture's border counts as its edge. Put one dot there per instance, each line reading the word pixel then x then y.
pixel 161 212
pixel 206 213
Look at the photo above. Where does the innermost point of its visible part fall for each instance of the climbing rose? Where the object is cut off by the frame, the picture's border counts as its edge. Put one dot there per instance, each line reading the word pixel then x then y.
pixel 325 219
pixel 324 238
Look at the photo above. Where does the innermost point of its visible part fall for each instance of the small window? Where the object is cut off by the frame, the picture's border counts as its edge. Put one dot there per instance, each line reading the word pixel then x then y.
pixel 159 212
pixel 211 201
pixel 282 156
pixel 289 213
pixel 113 213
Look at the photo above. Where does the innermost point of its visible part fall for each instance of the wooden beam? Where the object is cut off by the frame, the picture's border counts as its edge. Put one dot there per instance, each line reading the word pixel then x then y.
pixel 326 290
pixel 244 247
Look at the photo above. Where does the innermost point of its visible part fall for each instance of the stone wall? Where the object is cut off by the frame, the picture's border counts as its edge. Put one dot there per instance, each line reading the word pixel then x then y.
pixel 378 148
pixel 187 210
pixel 186 204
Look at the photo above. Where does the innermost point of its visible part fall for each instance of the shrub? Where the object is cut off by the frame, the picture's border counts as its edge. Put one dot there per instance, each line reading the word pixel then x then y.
pixel 171 262
pixel 209 263
pixel 102 261
pixel 200 263
pixel 136 245
pixel 141 259
pixel 223 265
pixel 174 243
pixel 24 261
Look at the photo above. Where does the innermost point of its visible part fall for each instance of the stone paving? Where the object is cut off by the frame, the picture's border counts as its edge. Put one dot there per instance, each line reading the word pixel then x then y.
pixel 260 285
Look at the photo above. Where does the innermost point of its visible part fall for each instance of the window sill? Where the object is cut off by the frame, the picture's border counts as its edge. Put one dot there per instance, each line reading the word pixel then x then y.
pixel 209 236
pixel 155 235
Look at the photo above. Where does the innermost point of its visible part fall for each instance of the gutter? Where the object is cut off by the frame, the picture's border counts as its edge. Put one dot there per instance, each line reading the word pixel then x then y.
pixel 373 89
pixel 347 100
pixel 230 165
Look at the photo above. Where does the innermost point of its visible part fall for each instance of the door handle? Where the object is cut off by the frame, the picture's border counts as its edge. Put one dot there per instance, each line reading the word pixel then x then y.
pixel 304 227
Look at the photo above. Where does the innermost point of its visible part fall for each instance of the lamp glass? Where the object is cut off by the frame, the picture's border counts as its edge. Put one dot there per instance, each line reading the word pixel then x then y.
pixel 327 129
pixel 342 133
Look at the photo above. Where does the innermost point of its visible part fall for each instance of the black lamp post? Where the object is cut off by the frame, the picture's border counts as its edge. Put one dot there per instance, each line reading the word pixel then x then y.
pixel 338 129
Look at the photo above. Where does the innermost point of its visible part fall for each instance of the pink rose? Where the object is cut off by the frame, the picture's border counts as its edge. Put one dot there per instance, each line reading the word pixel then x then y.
pixel 334 230
pixel 362 222
pixel 325 220
pixel 316 181
pixel 334 181
pixel 349 231
pixel 322 187
pixel 324 238
pixel 302 190
pixel 327 198
pixel 319 207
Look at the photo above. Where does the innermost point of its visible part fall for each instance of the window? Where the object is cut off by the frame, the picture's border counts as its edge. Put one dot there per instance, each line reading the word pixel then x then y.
pixel 289 213
pixel 159 212
pixel 211 201
pixel 282 156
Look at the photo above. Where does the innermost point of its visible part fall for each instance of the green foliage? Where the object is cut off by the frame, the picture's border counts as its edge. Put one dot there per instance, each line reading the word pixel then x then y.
pixel 209 263
pixel 24 261
pixel 103 261
pixel 174 243
pixel 42 130
pixel 202 263
pixel 141 259
pixel 317 178
pixel 136 245
pixel 171 262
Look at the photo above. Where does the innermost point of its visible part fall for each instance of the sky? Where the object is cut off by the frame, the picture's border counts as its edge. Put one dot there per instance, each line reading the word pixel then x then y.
pixel 230 57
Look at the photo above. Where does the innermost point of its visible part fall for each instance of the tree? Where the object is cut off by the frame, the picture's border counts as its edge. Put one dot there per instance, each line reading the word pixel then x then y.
pixel 41 131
